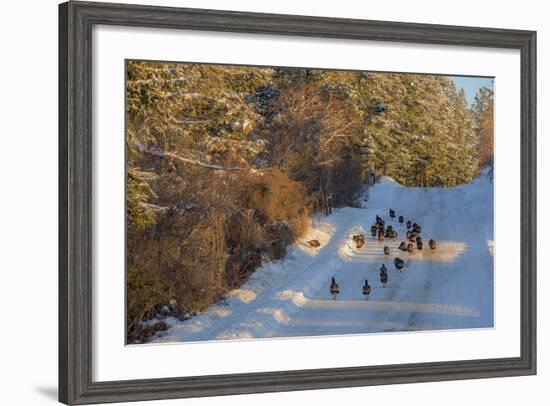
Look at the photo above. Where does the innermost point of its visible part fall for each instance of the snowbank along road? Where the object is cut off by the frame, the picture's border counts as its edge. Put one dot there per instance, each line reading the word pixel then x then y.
pixel 449 288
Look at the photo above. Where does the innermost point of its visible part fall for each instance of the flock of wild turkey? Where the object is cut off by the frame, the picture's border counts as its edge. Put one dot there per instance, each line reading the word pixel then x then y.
pixel 380 231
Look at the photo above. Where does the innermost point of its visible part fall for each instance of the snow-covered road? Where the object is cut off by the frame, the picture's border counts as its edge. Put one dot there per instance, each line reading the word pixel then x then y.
pixel 449 288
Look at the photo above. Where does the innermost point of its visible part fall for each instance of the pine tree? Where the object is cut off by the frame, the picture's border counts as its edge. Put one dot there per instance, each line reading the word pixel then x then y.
pixel 483 111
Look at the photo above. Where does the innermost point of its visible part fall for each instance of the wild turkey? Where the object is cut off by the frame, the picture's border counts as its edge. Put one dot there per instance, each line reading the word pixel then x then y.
pixel 409 224
pixel 416 228
pixel 403 246
pixel 412 237
pixel 334 288
pixel 387 250
pixel 359 240
pixel 399 263
pixel 392 213
pixel 410 247
pixel 381 234
pixel 383 269
pixel 418 238
pixel 432 244
pixel 314 243
pixel 379 221
pixel 401 219
pixel 393 235
pixel 383 278
pixel 366 289
pixel 373 231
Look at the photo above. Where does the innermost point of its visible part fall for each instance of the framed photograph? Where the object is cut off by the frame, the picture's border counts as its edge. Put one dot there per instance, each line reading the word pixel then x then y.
pixel 258 203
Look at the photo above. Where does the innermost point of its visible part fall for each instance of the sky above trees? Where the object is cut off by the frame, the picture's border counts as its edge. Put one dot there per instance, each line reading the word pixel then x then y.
pixel 472 84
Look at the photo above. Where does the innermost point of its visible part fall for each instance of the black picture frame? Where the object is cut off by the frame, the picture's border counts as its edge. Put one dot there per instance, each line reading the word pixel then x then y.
pixel 76 20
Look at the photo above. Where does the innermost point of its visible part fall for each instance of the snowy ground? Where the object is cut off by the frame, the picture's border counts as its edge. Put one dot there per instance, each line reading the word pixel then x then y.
pixel 449 288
